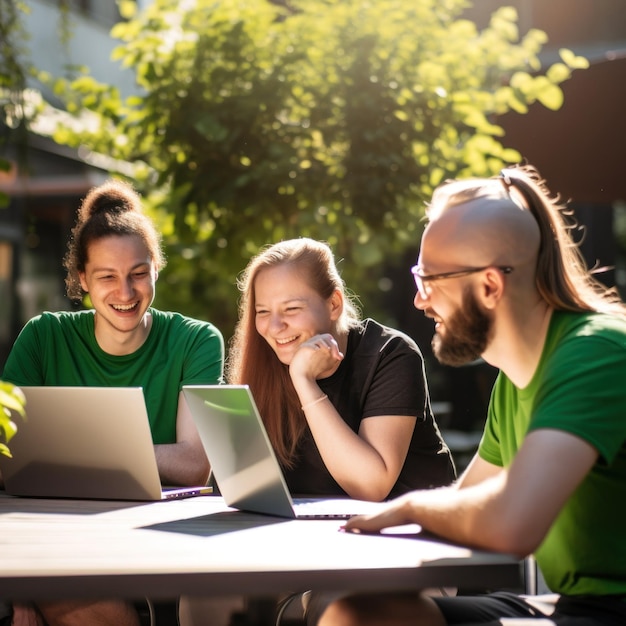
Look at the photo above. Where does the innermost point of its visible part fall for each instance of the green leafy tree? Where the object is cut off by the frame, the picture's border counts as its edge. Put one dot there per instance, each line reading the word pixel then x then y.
pixel 14 69
pixel 11 400
pixel 328 118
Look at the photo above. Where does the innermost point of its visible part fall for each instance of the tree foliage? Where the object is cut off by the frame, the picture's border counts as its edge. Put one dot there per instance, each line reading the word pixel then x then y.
pixel 12 400
pixel 328 118
pixel 14 70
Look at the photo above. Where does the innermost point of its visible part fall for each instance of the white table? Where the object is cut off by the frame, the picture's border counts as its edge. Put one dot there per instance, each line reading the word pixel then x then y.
pixel 53 549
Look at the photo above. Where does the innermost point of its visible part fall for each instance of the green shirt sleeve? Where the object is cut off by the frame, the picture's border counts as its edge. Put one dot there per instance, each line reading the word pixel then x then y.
pixel 24 365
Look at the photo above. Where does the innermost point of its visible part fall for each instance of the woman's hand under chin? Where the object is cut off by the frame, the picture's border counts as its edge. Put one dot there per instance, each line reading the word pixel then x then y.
pixel 316 358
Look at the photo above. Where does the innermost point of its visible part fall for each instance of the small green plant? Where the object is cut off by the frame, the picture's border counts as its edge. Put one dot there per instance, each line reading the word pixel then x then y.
pixel 11 399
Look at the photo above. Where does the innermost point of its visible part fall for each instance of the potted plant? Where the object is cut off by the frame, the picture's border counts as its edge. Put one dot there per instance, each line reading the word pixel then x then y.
pixel 11 399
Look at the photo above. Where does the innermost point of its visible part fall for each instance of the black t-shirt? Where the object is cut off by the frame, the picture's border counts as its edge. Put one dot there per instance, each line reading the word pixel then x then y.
pixel 382 373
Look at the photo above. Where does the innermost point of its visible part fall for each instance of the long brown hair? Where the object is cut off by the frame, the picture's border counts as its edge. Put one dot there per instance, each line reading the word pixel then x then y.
pixel 113 208
pixel 252 361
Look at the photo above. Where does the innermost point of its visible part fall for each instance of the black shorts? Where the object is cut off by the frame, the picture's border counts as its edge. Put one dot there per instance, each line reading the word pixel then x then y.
pixel 486 610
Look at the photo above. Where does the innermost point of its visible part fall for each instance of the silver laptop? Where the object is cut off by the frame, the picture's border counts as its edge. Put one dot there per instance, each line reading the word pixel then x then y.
pixel 243 461
pixel 86 442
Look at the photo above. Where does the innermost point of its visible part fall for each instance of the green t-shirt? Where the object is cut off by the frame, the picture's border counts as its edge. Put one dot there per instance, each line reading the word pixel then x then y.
pixel 60 349
pixel 579 387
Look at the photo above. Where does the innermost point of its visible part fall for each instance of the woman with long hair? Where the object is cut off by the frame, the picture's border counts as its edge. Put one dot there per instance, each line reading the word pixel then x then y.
pixel 344 400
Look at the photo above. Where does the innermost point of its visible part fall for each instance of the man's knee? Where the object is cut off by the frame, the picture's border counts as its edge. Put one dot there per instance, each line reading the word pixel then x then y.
pixel 342 612
pixel 105 613
pixel 388 609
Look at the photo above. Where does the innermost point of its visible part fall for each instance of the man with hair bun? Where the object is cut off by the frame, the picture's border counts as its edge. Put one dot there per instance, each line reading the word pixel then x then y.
pixel 502 279
pixel 113 261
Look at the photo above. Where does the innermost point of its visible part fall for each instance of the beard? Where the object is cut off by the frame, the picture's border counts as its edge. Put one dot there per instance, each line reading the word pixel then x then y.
pixel 467 334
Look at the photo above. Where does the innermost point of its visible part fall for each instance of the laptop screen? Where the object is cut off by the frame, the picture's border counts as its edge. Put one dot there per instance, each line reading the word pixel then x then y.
pixel 83 442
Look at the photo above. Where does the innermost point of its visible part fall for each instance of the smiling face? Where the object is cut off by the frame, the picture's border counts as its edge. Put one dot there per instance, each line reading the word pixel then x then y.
pixel 288 311
pixel 120 279
pixel 465 334
pixel 464 328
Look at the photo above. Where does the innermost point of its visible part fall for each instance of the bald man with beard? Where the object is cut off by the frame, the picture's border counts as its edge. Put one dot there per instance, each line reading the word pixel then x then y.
pixel 502 279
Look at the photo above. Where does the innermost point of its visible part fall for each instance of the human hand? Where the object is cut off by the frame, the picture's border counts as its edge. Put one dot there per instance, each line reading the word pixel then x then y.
pixel 316 358
pixel 393 513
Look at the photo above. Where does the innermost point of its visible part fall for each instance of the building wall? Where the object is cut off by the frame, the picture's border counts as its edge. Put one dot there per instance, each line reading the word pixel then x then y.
pixel 90 43
pixel 46 185
pixel 589 27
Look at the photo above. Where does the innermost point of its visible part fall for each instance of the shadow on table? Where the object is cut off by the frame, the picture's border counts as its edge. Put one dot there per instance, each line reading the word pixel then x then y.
pixel 219 523
pixel 64 506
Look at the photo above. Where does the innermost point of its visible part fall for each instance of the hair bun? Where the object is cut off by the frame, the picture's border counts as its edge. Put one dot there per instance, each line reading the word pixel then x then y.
pixel 108 205
pixel 112 197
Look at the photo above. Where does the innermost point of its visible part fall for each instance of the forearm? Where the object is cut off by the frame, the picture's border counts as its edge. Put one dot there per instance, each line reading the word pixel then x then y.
pixel 480 516
pixel 356 465
pixel 472 516
pixel 510 510
pixel 353 462
pixel 181 464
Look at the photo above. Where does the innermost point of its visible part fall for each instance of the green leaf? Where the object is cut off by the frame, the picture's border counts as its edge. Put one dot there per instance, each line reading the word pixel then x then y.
pixel 12 397
pixel 572 60
pixel 522 81
pixel 551 97
pixel 127 8
pixel 558 73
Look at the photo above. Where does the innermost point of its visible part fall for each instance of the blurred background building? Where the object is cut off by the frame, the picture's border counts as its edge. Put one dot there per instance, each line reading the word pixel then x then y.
pixel 47 181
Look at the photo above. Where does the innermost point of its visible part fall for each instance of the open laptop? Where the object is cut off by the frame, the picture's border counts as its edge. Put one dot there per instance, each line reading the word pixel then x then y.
pixel 243 461
pixel 86 442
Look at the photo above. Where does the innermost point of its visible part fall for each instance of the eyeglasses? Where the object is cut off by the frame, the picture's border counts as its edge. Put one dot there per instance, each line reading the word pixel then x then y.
pixel 422 280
